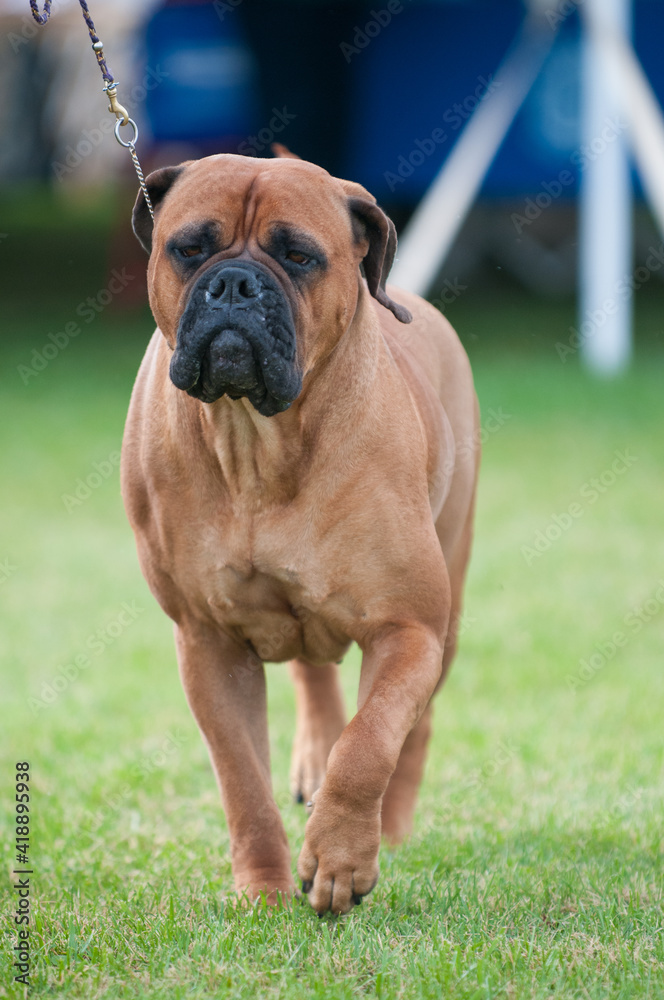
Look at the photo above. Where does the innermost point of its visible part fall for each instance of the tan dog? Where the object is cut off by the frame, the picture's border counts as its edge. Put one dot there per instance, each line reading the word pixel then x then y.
pixel 299 468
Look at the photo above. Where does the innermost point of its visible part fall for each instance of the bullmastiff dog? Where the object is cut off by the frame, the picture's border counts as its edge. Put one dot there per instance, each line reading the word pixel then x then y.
pixel 299 468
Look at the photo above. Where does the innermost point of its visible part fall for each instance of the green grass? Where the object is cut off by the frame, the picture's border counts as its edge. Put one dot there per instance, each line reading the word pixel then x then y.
pixel 536 866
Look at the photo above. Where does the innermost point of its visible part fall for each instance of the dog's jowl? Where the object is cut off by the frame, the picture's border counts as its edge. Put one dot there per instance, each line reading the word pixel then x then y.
pixel 296 470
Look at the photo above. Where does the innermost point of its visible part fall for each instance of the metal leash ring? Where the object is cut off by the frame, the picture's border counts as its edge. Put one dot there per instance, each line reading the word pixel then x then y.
pixel 118 125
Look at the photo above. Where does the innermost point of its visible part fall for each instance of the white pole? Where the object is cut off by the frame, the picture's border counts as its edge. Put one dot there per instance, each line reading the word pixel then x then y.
pixel 640 110
pixel 605 223
pixel 439 216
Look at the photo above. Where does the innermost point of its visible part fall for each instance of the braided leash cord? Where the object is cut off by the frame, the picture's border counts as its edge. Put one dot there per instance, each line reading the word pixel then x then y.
pixel 41 18
pixel 110 86
pixel 92 31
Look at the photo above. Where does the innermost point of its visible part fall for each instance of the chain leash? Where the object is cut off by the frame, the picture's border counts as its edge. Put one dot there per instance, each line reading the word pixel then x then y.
pixel 110 88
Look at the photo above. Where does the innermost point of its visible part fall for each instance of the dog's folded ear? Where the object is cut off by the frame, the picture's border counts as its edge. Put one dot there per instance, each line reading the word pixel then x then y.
pixel 158 183
pixel 371 223
pixel 283 152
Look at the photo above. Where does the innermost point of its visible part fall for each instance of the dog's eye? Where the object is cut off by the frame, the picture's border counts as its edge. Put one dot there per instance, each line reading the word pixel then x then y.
pixel 192 251
pixel 297 257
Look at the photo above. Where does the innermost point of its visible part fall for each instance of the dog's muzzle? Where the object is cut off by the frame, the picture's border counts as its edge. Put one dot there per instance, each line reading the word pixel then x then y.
pixel 236 337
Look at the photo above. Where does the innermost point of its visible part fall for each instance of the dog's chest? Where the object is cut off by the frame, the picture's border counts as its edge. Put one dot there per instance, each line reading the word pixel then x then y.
pixel 268 597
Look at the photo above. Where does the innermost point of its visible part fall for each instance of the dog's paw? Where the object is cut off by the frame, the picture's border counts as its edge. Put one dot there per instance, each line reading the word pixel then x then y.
pixel 338 863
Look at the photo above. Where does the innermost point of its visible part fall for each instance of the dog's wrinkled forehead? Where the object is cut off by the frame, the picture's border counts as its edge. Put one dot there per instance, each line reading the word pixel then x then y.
pixel 247 198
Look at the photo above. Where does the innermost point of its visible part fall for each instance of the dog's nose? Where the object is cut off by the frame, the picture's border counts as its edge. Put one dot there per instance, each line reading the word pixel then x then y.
pixel 232 286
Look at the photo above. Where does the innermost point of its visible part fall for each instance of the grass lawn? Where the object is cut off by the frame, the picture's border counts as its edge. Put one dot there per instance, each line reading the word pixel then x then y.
pixel 536 866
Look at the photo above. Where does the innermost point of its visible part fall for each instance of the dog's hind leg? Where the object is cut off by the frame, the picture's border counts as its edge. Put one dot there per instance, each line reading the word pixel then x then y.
pixel 401 795
pixel 321 716
pixel 458 566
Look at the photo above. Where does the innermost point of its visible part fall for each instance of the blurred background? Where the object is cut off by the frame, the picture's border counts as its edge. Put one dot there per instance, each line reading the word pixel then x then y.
pixel 375 92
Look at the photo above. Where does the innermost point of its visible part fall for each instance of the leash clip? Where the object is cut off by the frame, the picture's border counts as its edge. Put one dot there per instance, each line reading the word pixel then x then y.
pixel 111 89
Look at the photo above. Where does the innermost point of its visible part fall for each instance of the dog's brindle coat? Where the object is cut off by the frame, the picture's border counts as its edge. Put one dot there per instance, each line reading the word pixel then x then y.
pixel 299 468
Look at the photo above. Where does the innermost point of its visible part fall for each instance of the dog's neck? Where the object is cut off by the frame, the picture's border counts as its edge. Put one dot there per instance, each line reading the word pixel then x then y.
pixel 254 452
pixel 265 460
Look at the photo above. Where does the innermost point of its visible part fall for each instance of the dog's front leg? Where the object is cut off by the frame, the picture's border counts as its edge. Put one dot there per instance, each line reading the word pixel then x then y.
pixel 339 860
pixel 225 686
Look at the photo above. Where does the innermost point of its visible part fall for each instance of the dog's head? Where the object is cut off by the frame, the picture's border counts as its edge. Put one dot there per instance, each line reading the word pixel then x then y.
pixel 254 271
